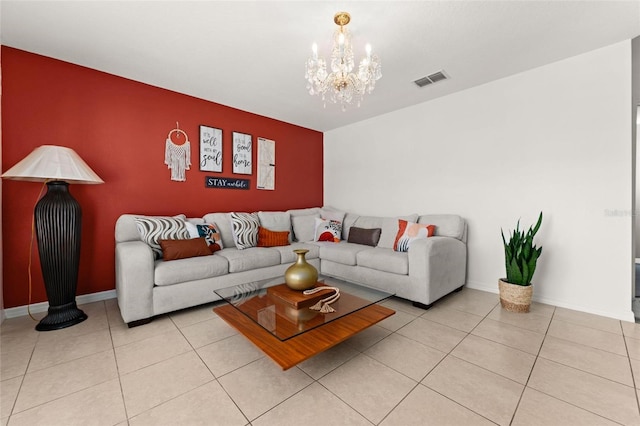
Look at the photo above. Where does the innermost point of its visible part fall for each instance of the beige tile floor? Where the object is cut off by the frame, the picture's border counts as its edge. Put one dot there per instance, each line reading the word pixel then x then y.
pixel 463 362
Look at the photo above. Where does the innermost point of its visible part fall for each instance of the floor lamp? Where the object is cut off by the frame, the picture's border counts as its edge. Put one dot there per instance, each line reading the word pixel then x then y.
pixel 58 222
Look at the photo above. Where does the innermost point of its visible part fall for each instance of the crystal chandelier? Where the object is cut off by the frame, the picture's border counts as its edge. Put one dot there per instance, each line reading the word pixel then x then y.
pixel 342 84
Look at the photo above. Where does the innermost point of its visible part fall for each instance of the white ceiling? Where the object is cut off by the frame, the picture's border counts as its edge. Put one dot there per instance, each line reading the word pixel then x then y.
pixel 251 55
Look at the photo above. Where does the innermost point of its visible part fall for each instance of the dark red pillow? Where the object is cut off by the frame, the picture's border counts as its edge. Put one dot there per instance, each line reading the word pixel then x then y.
pixel 182 249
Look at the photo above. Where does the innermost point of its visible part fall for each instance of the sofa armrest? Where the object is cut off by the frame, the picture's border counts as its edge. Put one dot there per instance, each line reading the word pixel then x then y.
pixel 441 262
pixel 134 280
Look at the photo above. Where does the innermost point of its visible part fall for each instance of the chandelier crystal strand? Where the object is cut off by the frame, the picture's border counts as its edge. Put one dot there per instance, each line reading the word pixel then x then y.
pixel 342 85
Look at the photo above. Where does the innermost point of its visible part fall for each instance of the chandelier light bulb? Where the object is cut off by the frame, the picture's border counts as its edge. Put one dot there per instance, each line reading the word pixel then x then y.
pixel 343 81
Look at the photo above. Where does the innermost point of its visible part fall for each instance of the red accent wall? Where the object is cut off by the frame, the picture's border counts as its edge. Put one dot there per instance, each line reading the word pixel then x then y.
pixel 119 128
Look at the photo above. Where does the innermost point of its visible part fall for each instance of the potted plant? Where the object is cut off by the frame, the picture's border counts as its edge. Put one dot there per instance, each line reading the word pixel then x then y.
pixel 521 256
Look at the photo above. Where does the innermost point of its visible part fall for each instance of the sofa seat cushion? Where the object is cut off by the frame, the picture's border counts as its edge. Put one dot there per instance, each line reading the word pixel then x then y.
pixel 288 256
pixel 342 252
pixel 250 258
pixel 384 259
pixel 191 269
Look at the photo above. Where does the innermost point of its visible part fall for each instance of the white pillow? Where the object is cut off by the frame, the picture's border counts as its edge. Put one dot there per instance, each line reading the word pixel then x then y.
pixel 192 229
pixel 328 230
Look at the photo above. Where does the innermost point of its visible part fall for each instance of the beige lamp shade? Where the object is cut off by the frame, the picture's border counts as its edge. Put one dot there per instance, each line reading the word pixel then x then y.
pixel 50 162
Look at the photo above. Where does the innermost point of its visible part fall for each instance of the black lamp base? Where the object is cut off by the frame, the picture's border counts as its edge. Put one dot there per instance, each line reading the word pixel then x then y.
pixel 62 316
pixel 58 220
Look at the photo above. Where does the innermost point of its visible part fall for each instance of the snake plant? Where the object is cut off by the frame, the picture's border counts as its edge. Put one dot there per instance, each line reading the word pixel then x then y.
pixel 521 254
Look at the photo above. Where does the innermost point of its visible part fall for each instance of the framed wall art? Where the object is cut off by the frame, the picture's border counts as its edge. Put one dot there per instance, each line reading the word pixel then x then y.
pixel 210 149
pixel 242 151
pixel 266 164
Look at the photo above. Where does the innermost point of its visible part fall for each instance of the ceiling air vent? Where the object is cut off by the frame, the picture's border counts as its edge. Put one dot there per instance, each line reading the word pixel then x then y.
pixel 430 79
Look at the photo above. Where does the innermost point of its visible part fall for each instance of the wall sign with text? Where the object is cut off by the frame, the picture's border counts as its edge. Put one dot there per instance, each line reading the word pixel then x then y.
pixel 226 182
pixel 210 149
pixel 242 153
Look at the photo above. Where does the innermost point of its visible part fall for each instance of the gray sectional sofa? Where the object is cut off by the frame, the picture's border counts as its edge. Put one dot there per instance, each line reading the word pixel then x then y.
pixel 429 270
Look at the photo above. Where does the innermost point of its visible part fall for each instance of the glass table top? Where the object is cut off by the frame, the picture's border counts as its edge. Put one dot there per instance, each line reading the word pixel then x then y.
pixel 286 313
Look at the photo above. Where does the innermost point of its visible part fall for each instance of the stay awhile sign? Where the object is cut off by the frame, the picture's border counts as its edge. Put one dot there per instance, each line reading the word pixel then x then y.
pixel 226 183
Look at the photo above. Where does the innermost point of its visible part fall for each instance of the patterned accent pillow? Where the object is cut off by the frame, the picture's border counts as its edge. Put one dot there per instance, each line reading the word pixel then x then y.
pixel 409 232
pixel 211 235
pixel 245 229
pixel 268 238
pixel 154 229
pixel 328 230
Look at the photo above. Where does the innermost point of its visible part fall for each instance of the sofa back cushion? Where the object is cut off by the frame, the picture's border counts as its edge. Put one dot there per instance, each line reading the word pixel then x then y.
pixel 304 212
pixel 349 221
pixel 447 225
pixel 303 223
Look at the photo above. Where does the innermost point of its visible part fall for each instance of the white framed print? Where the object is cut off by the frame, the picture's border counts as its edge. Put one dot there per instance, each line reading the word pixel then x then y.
pixel 266 164
pixel 242 153
pixel 210 149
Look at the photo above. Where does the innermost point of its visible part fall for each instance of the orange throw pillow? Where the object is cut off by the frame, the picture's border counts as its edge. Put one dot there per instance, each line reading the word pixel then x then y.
pixel 181 249
pixel 267 238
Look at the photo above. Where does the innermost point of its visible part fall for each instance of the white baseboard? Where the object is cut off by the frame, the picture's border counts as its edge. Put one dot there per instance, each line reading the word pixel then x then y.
pixel 19 311
pixel 623 316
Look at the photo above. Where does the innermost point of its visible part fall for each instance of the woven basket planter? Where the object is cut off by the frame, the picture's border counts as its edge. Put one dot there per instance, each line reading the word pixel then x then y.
pixel 515 298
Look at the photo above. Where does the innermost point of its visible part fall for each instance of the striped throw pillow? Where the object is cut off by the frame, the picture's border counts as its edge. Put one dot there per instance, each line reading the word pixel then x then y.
pixel 245 229
pixel 154 229
pixel 268 238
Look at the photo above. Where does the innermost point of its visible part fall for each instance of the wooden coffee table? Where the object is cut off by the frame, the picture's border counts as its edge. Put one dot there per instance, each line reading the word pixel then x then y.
pixel 281 324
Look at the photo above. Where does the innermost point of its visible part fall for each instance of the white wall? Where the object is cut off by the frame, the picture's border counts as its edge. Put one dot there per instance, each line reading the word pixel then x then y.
pixel 556 139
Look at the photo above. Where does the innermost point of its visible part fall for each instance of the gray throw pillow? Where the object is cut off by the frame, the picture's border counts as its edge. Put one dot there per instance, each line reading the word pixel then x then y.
pixel 368 237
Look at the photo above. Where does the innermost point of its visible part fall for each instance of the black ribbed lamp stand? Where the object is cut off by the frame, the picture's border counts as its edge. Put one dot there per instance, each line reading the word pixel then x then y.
pixel 58 220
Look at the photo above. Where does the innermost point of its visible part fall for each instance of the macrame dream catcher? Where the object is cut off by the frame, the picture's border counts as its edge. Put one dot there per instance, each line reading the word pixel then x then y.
pixel 177 157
